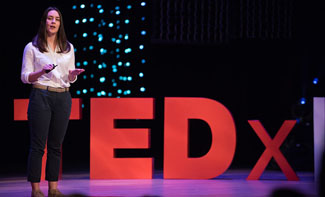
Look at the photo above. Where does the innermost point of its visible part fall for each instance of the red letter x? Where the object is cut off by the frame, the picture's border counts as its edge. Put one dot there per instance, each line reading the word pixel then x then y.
pixel 272 150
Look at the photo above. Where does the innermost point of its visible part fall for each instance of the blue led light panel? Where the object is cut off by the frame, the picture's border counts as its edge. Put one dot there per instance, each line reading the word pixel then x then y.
pixel 110 39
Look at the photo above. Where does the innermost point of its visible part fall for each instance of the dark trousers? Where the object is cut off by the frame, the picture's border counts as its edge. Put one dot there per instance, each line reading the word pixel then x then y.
pixel 48 117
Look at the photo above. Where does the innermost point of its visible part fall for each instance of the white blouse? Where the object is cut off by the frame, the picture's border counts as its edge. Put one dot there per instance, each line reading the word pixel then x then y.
pixel 34 60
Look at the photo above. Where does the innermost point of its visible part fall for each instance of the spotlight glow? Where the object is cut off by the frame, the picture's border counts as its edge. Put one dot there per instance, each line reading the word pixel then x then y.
pixel 302 101
pixel 315 81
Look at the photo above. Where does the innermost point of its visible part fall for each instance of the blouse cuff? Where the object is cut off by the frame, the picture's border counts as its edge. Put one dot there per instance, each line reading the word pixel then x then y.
pixel 73 80
pixel 24 78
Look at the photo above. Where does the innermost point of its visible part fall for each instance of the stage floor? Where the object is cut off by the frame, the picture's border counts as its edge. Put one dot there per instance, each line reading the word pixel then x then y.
pixel 230 184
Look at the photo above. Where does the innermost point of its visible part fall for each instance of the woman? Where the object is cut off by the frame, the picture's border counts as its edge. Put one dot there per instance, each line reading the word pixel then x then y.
pixel 48 64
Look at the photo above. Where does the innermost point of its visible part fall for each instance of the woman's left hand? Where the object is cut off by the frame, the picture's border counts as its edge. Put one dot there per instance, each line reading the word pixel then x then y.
pixel 74 73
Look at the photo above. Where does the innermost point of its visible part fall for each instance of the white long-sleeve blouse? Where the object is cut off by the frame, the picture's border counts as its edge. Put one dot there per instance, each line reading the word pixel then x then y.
pixel 34 60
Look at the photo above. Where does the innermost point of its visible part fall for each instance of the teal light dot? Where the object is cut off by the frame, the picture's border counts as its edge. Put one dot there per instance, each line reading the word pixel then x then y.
pixel 78 92
pixel 142 89
pixel 84 91
pixel 141 74
pixel 102 51
pixel 100 37
pixel 128 50
pixel 102 79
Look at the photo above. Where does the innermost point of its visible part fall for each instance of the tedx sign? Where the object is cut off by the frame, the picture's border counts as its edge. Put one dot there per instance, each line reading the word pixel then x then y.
pixel 105 138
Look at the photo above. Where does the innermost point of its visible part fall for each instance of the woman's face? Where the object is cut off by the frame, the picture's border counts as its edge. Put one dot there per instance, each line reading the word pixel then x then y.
pixel 52 22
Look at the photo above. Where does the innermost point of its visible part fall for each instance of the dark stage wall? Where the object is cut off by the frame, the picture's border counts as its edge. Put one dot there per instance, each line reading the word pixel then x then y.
pixel 259 78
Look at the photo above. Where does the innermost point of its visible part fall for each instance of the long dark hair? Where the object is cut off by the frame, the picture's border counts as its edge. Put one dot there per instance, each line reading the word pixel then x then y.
pixel 40 40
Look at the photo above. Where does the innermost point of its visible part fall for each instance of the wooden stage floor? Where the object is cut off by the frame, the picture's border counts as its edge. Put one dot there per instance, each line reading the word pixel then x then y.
pixel 231 184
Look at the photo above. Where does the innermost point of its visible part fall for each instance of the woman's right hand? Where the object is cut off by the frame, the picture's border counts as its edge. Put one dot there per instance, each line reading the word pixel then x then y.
pixel 32 77
pixel 47 68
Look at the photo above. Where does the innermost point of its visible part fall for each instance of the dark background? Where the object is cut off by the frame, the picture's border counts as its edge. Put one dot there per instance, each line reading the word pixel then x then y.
pixel 255 77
